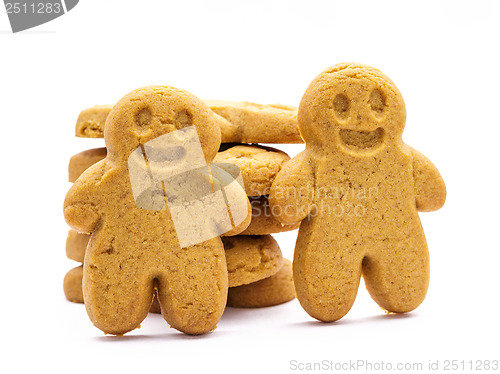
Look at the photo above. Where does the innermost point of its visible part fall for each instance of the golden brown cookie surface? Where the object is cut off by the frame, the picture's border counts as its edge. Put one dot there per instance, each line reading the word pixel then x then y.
pixel 259 165
pixel 83 160
pixel 356 188
pixel 131 246
pixel 90 122
pixel 76 244
pixel 257 123
pixel 240 122
pixel 276 289
pixel 251 258
pixel 73 289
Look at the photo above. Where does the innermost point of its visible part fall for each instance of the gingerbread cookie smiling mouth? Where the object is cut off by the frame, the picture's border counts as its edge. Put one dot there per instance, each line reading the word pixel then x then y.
pixel 360 115
pixel 361 140
pixel 363 132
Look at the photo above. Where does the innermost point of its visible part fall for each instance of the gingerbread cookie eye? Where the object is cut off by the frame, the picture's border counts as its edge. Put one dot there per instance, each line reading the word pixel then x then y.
pixel 183 119
pixel 377 101
pixel 143 118
pixel 341 106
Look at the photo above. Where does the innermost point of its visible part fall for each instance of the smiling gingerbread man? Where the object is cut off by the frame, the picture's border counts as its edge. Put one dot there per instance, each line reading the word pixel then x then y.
pixel 357 188
pixel 141 205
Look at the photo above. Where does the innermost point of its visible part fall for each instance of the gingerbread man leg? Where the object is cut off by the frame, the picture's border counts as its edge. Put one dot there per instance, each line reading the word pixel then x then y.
pixel 397 275
pixel 117 293
pixel 326 278
pixel 192 290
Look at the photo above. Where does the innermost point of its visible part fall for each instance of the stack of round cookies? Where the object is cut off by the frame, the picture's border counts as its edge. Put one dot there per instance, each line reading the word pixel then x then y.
pixel 258 275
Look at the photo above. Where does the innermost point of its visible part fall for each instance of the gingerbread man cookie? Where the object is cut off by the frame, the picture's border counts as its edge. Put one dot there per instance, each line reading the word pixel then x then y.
pixel 159 141
pixel 357 189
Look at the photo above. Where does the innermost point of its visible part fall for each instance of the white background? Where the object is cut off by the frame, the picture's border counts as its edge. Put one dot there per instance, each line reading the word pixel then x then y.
pixel 442 55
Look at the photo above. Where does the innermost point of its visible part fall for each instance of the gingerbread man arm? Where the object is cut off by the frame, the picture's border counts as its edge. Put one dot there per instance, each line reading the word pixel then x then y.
pixel 430 190
pixel 292 191
pixel 81 205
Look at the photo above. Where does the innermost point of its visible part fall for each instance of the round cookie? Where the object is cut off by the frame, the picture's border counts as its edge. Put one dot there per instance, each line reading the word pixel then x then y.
pixel 263 221
pixel 76 244
pixel 73 284
pixel 251 258
pixel 83 160
pixel 241 122
pixel 90 122
pixel 276 289
pixel 257 123
pixel 248 258
pixel 259 165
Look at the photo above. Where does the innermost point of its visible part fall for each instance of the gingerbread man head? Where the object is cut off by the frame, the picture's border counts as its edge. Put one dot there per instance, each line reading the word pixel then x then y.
pixel 150 112
pixel 354 106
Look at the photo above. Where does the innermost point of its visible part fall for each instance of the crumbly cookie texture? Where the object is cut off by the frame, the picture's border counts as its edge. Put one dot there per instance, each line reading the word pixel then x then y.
pixel 356 189
pixel 239 122
pixel 258 165
pixel 276 289
pixel 133 251
pixel 83 160
pixel 262 251
pixel 251 258
pixel 263 220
